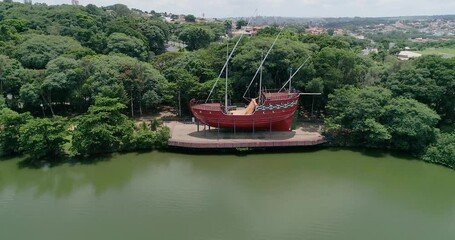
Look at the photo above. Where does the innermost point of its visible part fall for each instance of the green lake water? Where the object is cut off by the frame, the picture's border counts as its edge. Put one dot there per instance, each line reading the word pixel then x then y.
pixel 325 194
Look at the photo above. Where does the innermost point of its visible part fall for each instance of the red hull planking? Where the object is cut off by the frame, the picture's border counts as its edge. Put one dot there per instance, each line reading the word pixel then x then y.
pixel 276 114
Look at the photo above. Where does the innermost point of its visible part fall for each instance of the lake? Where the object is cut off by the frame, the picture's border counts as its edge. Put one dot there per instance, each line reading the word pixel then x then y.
pixel 320 194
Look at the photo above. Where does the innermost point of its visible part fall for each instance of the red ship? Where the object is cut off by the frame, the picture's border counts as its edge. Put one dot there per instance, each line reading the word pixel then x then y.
pixel 272 111
pixel 275 112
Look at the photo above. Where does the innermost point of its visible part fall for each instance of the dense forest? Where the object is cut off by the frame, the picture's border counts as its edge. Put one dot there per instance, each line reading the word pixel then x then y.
pixel 72 79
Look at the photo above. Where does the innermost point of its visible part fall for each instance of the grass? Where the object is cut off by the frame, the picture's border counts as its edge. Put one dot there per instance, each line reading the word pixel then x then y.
pixel 445 52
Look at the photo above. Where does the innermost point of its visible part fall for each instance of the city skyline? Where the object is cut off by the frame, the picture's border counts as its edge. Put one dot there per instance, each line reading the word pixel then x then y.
pixel 285 8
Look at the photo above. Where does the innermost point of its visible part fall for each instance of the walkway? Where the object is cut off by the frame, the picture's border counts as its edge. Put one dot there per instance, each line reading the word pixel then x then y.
pixel 186 135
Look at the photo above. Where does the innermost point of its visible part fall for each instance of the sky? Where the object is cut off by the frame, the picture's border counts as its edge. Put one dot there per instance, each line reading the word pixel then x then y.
pixel 285 8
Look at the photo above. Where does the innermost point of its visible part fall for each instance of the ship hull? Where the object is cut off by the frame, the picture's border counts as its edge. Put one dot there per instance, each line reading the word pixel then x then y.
pixel 276 113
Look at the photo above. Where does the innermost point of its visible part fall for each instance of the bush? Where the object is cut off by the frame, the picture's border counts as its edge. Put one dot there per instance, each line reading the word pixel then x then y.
pixel 442 151
pixel 43 138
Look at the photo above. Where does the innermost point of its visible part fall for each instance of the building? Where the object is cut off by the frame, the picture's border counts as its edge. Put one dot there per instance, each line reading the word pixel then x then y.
pixel 181 18
pixel 249 31
pixel 340 32
pixel 167 19
pixel 75 2
pixel 315 31
pixel 406 55
pixel 368 51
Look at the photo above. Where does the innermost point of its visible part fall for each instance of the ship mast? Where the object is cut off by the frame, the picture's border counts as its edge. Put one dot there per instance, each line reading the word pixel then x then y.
pixel 229 57
pixel 262 63
pixel 293 75
pixel 290 80
pixel 226 87
pixel 260 80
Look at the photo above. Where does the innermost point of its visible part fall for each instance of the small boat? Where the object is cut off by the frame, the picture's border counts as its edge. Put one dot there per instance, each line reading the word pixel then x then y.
pixel 270 110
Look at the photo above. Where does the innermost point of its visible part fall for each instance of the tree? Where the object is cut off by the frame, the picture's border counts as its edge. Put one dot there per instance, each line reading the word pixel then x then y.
pixel 38 50
pixel 411 124
pixel 63 79
pixel 339 67
pixel 98 42
pixel 131 46
pixel 167 60
pixel 270 31
pixel 190 18
pixel 155 36
pixel 2 102
pixel 43 138
pixel 139 78
pixel 316 85
pixel 151 99
pixel 124 78
pixel 372 117
pixel 154 124
pixel 228 26
pixel 325 40
pixel 127 25
pixel 10 123
pixel 120 9
pixel 184 84
pixel 416 84
pixel 144 139
pixel 440 71
pixel 355 116
pixel 286 53
pixel 30 95
pixel 162 137
pixel 149 137
pixel 10 29
pixel 240 23
pixel 103 129
pixel 442 151
pixel 197 65
pixel 10 76
pixel 196 37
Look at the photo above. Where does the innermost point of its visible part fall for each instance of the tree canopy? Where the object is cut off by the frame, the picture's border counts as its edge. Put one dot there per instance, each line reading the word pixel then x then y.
pixel 196 37
pixel 442 151
pixel 10 123
pixel 131 46
pixel 103 129
pixel 372 117
pixel 43 138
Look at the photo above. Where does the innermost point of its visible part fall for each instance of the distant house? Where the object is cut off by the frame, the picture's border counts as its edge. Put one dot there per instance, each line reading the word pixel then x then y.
pixel 249 31
pixel 167 19
pixel 360 37
pixel 368 51
pixel 420 40
pixel 340 32
pixel 315 31
pixel 406 55
pixel 181 18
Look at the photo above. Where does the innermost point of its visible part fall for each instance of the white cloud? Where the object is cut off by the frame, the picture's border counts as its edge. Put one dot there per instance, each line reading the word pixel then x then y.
pixel 292 8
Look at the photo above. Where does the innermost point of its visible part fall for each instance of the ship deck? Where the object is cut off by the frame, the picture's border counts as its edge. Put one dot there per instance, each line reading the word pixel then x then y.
pixel 185 135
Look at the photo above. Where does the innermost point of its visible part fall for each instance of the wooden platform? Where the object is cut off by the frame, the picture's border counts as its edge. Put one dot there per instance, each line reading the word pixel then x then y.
pixel 185 135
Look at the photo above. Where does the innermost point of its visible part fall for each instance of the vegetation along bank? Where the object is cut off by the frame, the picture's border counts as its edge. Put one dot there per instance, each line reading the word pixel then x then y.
pixel 73 78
